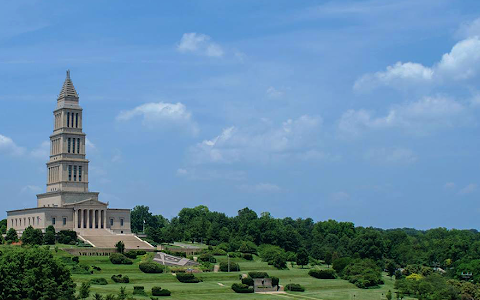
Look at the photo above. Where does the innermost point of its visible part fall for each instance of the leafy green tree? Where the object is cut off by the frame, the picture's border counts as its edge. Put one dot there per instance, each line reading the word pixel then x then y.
pixel 139 215
pixel 33 273
pixel 391 268
pixel 49 237
pixel 3 229
pixel 389 295
pixel 123 294
pixel 120 246
pixel 302 257
pixel 32 236
pixel 328 259
pixel 11 236
pixel 84 291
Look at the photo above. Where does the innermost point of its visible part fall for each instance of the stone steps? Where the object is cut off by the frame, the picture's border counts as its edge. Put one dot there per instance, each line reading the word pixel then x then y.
pixel 107 239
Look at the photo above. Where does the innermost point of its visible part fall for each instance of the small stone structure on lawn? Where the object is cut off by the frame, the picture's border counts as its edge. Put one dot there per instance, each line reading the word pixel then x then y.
pixel 262 285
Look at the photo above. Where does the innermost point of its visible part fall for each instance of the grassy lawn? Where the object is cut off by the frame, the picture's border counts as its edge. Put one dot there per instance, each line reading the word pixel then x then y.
pixel 217 285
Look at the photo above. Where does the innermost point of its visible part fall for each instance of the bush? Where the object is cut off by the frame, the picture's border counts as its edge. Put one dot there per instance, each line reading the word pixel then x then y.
pixel 258 274
pixel 99 281
pixel 294 287
pixel 131 254
pixel 275 281
pixel 247 256
pixel 96 268
pixel 67 236
pixel 241 288
pixel 81 269
pixel 341 263
pixel 119 259
pixel 120 279
pixel 151 267
pixel 233 267
pixel 207 257
pixel 76 259
pixel 219 252
pixel 158 291
pixel 139 290
pixel 187 278
pixel 322 274
pixel 363 273
pixel 247 281
pixel 141 252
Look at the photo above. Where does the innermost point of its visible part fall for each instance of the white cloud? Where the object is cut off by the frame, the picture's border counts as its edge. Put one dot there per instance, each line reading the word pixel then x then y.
pixel 162 115
pixel 42 151
pixel 199 44
pixel 261 188
pixel 472 187
pixel 469 29
pixel 8 147
pixel 262 143
pixel 274 93
pixel 418 117
pixel 391 156
pixel 461 63
pixel 449 185
pixel 89 145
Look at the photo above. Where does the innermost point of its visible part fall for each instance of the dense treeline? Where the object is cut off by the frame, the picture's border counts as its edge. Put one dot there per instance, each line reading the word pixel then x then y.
pixel 453 250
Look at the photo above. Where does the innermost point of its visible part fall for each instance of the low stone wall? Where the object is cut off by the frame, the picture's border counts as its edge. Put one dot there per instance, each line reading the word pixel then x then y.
pixel 91 251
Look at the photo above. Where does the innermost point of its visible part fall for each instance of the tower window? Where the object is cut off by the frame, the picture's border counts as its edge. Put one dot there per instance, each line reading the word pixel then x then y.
pixel 68 119
pixel 78 146
pixel 74 173
pixel 79 173
pixel 64 221
pixel 76 120
pixel 70 173
pixel 53 221
pixel 69 141
pixel 73 149
pixel 111 222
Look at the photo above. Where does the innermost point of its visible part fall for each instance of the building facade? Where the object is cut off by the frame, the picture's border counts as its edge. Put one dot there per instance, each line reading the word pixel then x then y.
pixel 67 203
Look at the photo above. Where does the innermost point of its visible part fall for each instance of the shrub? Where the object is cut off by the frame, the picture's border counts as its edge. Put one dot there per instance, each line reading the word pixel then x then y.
pixel 139 290
pixel 322 274
pixel 96 268
pixel 187 278
pixel 151 267
pixel 158 291
pixel 234 254
pixel 219 252
pixel 241 288
pixel 247 281
pixel 363 273
pixel 119 259
pixel 76 259
pixel 141 252
pixel 67 236
pixel 258 274
pixel 247 256
pixel 81 269
pixel 207 257
pixel 294 287
pixel 99 281
pixel 131 254
pixel 341 263
pixel 275 281
pixel 120 279
pixel 233 267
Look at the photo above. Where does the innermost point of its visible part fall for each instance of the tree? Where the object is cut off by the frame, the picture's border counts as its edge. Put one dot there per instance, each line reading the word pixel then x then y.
pixel 123 294
pixel 32 236
pixel 391 268
pixel 302 257
pixel 11 236
pixel 120 247
pixel 328 258
pixel 97 296
pixel 49 237
pixel 84 291
pixel 389 295
pixel 33 273
pixel 139 215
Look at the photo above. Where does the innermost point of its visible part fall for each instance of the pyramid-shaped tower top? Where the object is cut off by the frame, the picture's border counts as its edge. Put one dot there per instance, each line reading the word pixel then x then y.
pixel 68 90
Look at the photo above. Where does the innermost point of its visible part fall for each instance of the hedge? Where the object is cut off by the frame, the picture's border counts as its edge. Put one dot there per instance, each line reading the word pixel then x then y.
pixel 247 256
pixel 241 288
pixel 151 267
pixel 233 267
pixel 187 278
pixel 322 274
pixel 258 274
pixel 120 279
pixel 157 291
pixel 99 281
pixel 120 259
pixel 275 281
pixel 139 290
pixel 247 281
pixel 131 254
pixel 294 287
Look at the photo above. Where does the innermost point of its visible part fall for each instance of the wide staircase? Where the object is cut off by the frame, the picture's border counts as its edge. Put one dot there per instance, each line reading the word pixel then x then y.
pixel 104 238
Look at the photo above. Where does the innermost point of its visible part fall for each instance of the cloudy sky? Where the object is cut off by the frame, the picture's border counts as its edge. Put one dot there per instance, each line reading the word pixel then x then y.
pixel 366 111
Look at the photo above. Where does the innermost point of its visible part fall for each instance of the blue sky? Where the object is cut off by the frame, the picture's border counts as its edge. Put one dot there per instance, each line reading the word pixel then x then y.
pixel 366 111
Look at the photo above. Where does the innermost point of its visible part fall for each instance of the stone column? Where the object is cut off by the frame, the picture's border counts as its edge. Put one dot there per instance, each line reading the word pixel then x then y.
pixel 95 212
pixel 88 218
pixel 105 218
pixel 75 223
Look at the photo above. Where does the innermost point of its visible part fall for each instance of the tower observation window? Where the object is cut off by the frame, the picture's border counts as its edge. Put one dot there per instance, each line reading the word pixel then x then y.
pixel 69 141
pixel 68 119
pixel 69 173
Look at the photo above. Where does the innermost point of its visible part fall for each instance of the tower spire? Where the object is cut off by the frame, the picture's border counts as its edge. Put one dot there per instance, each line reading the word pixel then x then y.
pixel 68 91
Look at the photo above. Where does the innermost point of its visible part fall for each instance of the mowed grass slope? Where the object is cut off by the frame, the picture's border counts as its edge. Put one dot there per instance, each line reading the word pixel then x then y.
pixel 217 285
